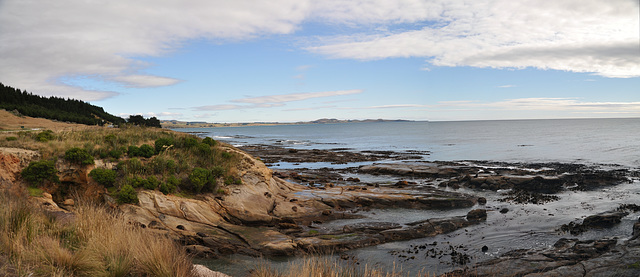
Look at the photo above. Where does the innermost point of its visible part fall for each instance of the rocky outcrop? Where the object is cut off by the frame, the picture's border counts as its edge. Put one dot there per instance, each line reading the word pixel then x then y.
pixel 12 161
pixel 267 215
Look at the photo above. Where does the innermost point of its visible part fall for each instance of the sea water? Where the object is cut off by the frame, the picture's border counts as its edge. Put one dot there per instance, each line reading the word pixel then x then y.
pixel 589 141
pixel 585 141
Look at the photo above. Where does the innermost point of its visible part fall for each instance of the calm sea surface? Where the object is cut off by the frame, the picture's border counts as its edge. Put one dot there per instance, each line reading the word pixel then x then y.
pixel 601 141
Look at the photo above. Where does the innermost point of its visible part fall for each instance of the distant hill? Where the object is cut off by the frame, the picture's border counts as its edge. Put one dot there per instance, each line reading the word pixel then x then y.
pixel 56 108
pixel 200 124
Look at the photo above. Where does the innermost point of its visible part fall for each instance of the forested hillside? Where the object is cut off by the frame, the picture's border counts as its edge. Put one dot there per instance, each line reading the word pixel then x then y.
pixel 56 108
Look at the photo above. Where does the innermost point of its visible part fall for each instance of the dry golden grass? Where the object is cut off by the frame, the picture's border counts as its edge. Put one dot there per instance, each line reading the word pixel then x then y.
pixel 96 243
pixel 323 266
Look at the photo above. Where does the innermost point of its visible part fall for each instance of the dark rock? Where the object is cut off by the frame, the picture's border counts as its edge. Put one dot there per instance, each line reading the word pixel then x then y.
pixel 477 214
pixel 485 248
pixel 369 227
pixel 604 220
pixel 482 200
pixel 504 210
pixel 200 251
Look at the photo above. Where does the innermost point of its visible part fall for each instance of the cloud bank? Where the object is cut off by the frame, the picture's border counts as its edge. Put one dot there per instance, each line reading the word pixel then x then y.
pixel 43 42
pixel 592 36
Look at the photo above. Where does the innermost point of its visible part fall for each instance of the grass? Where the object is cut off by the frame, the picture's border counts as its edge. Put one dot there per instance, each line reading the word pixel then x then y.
pixel 110 145
pixel 315 266
pixel 96 242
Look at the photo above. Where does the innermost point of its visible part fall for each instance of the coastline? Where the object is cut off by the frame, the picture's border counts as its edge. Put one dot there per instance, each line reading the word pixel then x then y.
pixel 513 191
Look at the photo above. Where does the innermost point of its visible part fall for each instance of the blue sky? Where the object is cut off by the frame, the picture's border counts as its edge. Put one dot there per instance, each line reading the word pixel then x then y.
pixel 297 60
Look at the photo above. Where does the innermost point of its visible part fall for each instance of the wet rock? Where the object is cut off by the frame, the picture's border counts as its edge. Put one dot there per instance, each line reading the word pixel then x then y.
pixel 601 220
pixel 504 210
pixel 369 227
pixel 477 214
pixel 604 220
pixel 482 200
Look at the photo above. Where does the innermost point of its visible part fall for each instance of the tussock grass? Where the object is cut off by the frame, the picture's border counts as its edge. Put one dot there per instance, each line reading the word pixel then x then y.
pixel 316 266
pixel 95 242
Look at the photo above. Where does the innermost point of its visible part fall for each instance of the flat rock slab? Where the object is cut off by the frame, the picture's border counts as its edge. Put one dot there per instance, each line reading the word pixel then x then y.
pixel 410 169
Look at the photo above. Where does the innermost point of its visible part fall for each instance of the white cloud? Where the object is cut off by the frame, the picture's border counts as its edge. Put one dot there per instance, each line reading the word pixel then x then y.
pixel 43 41
pixel 270 101
pixel 295 96
pixel 507 86
pixel 145 80
pixel 545 104
pixel 593 36
pixel 397 106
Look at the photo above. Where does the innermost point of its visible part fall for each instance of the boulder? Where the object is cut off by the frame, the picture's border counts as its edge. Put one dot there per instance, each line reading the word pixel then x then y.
pixel 477 215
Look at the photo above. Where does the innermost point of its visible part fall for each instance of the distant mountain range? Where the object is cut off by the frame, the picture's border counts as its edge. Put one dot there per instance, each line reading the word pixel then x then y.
pixel 200 124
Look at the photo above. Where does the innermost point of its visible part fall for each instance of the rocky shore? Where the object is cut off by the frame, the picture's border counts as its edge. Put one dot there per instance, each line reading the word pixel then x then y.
pixel 515 183
pixel 290 212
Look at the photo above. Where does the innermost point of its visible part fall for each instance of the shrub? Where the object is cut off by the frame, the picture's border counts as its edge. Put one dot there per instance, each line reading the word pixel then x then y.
pixel 147 151
pixel 11 138
pixel 103 176
pixel 217 171
pixel 209 141
pixel 163 143
pixel 133 151
pixel 127 194
pixel 78 156
pixel 226 155
pixel 38 172
pixel 45 136
pixel 138 182
pixel 203 149
pixel 115 153
pixel 189 142
pixel 152 183
pixel 199 177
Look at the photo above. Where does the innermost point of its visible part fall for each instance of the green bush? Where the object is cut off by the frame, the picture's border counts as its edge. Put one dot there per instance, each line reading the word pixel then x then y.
pixel 38 172
pixel 127 194
pixel 133 151
pixel 163 143
pixel 209 141
pixel 147 151
pixel 189 142
pixel 103 176
pixel 138 182
pixel 226 155
pixel 78 156
pixel 199 177
pixel 217 171
pixel 11 138
pixel 115 153
pixel 203 149
pixel 170 185
pixel 45 136
pixel 152 183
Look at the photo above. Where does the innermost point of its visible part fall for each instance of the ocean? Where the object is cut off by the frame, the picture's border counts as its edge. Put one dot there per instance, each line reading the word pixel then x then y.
pixel 525 226
pixel 587 141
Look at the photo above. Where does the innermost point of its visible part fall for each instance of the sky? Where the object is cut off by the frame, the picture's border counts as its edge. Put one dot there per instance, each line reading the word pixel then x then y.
pixel 301 60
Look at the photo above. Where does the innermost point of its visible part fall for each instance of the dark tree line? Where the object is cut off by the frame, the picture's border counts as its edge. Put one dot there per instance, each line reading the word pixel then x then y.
pixel 57 108
pixel 140 121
